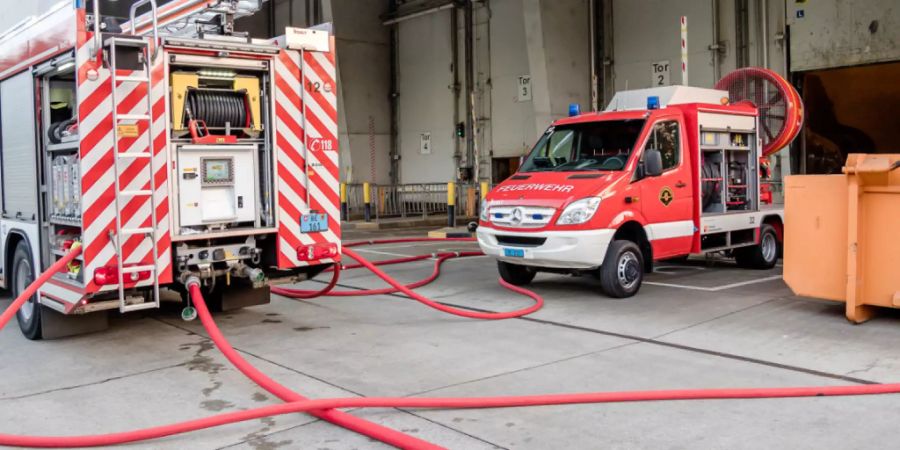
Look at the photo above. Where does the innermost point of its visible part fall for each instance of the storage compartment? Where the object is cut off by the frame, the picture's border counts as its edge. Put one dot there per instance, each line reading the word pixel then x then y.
pixel 60 137
pixel 729 175
pixel 62 122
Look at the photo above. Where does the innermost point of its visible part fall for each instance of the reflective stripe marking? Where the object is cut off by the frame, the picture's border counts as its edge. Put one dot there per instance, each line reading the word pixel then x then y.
pixel 669 230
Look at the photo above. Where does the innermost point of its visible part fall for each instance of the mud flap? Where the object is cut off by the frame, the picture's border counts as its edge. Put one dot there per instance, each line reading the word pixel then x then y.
pixel 55 325
pixel 241 294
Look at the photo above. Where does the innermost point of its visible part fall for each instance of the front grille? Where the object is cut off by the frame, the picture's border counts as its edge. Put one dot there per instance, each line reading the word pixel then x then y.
pixel 521 241
pixel 521 216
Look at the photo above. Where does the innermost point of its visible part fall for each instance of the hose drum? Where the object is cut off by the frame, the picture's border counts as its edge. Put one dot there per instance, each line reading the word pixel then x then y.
pixel 218 107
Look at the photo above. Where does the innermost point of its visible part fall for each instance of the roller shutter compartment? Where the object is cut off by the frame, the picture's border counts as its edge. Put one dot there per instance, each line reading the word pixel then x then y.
pixel 19 181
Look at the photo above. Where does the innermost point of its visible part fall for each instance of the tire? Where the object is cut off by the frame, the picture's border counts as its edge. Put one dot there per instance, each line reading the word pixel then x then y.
pixel 29 315
pixel 761 256
pixel 515 274
pixel 622 271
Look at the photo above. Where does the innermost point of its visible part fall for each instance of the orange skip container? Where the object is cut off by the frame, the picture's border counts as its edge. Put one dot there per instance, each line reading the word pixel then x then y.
pixel 842 235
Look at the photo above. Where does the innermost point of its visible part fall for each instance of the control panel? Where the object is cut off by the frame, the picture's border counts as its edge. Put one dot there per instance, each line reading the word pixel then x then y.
pixel 217 186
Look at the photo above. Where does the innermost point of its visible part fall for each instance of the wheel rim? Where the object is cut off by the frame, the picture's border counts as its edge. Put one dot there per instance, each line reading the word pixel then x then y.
pixel 23 279
pixel 628 270
pixel 769 247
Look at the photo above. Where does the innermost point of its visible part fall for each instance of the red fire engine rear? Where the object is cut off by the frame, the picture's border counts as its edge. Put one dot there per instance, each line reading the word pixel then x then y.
pixel 169 145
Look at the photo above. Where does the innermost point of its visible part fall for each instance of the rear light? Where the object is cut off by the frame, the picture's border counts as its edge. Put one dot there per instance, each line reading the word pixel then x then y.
pixel 110 275
pixel 317 251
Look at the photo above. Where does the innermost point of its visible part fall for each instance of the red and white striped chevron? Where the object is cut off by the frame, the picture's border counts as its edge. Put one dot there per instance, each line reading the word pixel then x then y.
pixel 306 150
pixel 97 171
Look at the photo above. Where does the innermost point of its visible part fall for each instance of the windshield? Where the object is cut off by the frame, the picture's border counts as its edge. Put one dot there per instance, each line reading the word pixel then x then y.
pixel 585 146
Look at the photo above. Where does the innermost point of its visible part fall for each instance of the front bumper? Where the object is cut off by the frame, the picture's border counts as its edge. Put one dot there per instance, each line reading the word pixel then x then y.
pixel 561 249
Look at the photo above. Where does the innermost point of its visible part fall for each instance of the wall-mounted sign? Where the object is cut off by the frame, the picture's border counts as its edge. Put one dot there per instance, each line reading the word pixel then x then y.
pixel 524 89
pixel 425 143
pixel 659 73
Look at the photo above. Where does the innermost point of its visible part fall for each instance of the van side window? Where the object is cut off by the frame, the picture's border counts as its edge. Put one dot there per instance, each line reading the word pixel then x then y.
pixel 666 138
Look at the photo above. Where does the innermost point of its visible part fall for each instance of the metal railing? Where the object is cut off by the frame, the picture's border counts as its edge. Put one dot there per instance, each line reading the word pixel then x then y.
pixel 411 200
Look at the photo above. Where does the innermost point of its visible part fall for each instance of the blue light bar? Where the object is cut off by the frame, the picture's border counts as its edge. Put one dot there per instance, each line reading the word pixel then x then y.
pixel 653 102
pixel 574 109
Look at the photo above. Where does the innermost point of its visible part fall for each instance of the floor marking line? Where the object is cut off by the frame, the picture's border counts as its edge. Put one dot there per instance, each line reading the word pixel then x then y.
pixel 378 252
pixel 652 341
pixel 717 288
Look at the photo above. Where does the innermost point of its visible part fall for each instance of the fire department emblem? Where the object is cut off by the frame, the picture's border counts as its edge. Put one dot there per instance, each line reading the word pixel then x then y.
pixel 666 196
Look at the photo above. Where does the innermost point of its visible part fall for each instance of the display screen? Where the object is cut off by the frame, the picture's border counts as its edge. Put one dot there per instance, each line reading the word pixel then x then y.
pixel 217 171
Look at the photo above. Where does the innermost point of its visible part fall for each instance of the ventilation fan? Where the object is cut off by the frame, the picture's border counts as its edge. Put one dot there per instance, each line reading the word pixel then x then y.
pixel 779 104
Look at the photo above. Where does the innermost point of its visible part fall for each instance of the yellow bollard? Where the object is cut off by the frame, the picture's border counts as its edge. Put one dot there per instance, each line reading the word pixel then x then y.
pixel 451 204
pixel 345 209
pixel 367 199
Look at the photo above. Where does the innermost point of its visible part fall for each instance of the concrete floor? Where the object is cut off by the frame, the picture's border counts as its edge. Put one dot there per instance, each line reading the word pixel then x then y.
pixel 697 324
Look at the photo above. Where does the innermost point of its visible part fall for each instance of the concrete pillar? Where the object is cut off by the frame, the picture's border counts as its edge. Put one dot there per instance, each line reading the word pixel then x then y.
pixel 363 72
pixel 537 64
pixel 557 40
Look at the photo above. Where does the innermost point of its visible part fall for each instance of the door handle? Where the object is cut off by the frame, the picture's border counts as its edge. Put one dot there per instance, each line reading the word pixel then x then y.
pixel 680 184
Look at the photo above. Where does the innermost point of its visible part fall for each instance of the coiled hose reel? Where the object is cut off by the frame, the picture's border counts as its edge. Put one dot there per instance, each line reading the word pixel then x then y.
pixel 219 109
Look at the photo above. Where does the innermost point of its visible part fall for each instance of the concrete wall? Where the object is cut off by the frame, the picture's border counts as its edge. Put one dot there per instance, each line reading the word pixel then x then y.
pixel 648 31
pixel 843 33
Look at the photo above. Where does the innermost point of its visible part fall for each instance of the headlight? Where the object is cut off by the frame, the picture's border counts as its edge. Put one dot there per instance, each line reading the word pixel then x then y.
pixel 485 206
pixel 579 211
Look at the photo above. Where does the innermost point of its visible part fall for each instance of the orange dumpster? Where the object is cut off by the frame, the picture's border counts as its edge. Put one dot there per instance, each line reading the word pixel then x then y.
pixel 842 235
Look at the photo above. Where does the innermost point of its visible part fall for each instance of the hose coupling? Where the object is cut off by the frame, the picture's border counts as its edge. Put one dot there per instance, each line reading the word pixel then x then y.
pixel 192 279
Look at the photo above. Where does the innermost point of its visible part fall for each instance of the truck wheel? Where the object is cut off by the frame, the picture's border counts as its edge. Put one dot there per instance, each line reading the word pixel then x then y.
pixel 622 271
pixel 761 256
pixel 29 315
pixel 515 274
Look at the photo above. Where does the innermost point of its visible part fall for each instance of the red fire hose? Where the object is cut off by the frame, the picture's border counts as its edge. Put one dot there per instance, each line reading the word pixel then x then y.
pixel 408 289
pixel 328 409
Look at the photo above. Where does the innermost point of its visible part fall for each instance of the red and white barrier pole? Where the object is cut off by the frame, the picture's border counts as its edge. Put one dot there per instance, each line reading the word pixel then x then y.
pixel 684 52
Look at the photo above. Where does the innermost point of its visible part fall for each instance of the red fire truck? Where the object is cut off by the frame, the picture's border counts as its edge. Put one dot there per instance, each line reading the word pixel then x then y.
pixel 169 145
pixel 662 173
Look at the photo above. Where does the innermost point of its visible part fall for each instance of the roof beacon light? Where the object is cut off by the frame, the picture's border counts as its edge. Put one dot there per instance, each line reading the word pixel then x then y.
pixel 653 102
pixel 574 109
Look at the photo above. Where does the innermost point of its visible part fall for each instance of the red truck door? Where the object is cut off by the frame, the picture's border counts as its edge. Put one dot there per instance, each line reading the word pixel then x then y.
pixel 667 200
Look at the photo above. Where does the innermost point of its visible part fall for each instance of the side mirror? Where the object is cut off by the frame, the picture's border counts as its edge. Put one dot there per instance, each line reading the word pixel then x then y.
pixel 652 162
